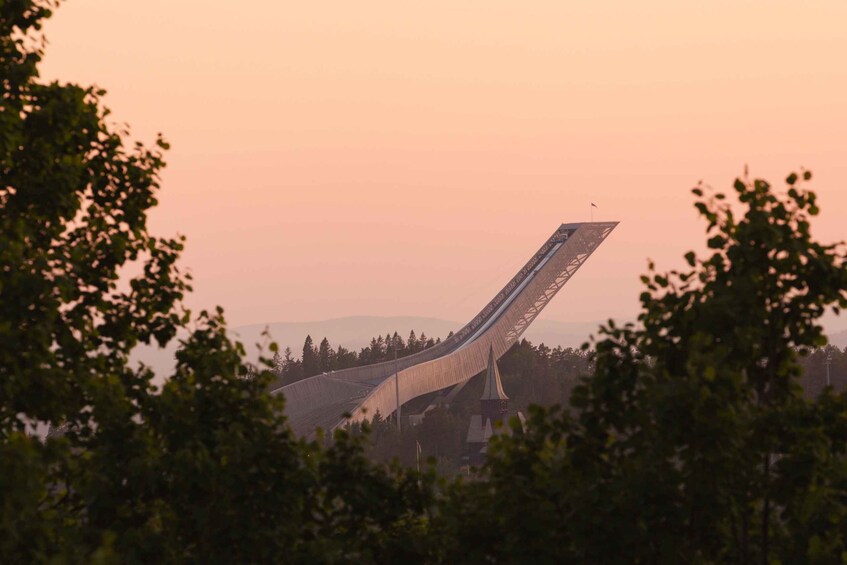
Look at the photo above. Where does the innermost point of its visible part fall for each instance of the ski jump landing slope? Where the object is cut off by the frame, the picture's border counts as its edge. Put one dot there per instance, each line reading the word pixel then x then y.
pixel 323 400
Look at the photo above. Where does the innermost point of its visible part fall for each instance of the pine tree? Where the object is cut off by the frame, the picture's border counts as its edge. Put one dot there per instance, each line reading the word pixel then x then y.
pixel 310 358
pixel 398 345
pixel 376 349
pixel 344 358
pixel 325 355
pixel 292 369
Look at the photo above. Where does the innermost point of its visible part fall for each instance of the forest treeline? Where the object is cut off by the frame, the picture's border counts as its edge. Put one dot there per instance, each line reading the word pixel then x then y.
pixel 532 375
pixel 689 440
pixel 522 363
pixel 313 360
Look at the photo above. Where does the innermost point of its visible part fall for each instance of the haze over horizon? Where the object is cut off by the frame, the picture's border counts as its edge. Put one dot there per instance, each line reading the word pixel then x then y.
pixel 334 159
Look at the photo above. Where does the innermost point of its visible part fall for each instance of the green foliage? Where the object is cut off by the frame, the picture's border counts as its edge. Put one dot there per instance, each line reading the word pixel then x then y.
pixel 310 358
pixel 692 441
pixel 203 470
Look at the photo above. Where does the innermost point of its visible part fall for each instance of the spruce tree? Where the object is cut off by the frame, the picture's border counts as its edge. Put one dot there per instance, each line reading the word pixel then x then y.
pixel 310 358
pixel 325 355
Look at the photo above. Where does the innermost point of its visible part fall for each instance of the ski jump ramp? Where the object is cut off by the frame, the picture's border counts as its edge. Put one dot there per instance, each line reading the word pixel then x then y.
pixel 351 395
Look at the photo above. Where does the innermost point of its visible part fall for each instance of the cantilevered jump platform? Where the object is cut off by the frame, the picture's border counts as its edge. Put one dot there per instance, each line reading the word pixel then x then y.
pixel 323 400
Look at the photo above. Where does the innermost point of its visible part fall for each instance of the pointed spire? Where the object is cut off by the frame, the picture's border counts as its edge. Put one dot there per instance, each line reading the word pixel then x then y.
pixel 493 387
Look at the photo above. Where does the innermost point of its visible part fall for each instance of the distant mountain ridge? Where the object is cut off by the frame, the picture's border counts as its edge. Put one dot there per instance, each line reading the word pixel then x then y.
pixel 352 332
pixel 355 332
pixel 839 339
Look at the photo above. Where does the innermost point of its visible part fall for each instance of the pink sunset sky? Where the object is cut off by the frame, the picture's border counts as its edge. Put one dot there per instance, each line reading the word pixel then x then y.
pixel 406 158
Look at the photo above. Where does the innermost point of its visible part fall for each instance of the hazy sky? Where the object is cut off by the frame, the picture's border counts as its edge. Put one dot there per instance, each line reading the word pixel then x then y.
pixel 406 158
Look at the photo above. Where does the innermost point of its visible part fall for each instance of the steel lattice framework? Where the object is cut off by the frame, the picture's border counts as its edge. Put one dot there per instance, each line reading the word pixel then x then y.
pixel 350 395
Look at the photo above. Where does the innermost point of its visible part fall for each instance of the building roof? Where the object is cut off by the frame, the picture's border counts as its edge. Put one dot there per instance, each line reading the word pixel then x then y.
pixel 493 387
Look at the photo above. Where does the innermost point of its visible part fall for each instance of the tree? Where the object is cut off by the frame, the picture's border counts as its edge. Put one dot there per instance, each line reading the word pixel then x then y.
pixel 292 369
pixel 203 469
pixel 74 200
pixel 425 342
pixel 376 350
pixel 390 346
pixel 398 345
pixel 325 356
pixel 309 360
pixel 344 358
pixel 277 364
pixel 692 441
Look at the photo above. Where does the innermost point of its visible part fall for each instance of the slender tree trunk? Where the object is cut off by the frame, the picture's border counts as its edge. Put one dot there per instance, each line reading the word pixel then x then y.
pixel 766 511
pixel 735 535
pixel 745 530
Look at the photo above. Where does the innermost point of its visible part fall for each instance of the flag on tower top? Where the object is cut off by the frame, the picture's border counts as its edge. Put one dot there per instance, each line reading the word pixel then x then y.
pixel 594 205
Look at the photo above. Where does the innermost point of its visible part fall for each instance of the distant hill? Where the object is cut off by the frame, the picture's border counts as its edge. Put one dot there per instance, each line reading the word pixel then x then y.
pixel 355 332
pixel 553 333
pixel 839 339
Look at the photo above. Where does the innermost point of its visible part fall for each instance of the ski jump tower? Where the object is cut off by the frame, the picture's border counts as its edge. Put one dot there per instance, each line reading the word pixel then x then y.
pixel 324 401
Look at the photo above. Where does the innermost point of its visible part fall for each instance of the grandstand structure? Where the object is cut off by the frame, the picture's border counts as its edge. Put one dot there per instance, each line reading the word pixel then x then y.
pixel 334 399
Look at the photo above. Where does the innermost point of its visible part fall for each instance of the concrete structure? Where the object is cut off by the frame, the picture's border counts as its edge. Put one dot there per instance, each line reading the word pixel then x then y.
pixel 330 400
